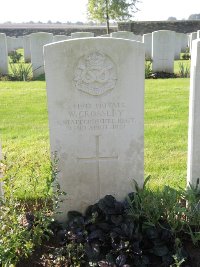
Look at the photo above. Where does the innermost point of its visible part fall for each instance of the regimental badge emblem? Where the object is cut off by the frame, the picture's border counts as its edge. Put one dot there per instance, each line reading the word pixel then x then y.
pixel 95 74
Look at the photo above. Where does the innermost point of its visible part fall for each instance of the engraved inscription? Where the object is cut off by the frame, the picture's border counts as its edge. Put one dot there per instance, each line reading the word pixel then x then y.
pixel 98 116
pixel 95 74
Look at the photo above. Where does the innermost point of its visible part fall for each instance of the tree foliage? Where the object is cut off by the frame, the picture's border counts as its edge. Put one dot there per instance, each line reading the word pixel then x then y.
pixel 172 18
pixel 194 17
pixel 104 10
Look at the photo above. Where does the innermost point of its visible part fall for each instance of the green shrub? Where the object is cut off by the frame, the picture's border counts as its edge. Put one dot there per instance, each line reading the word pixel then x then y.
pixel 15 56
pixel 184 70
pixel 185 56
pixel 148 69
pixel 20 72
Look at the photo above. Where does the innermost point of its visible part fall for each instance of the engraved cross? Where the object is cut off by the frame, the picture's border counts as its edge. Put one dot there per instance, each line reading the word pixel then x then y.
pixel 98 158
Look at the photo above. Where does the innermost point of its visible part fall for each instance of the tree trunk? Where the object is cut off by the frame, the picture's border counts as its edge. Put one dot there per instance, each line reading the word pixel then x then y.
pixel 107 18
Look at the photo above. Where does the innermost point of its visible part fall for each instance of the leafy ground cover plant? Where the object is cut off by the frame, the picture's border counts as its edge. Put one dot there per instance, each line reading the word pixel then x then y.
pixel 146 229
pixel 162 75
pixel 24 226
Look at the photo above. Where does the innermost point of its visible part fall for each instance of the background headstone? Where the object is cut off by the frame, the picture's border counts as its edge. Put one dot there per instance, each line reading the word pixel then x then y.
pixel 95 89
pixel 27 48
pixel 163 43
pixel 37 41
pixel 57 38
pixel 184 42
pixel 14 43
pixel 193 36
pixel 178 44
pixel 82 34
pixel 126 35
pixel 147 40
pixel 3 54
pixel 193 171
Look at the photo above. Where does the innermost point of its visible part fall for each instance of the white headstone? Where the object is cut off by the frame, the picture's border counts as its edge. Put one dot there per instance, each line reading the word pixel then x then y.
pixel 14 43
pixel 27 48
pixel 163 43
pixel 95 89
pixel 3 54
pixel 37 41
pixel 11 44
pixel 126 35
pixel 147 40
pixel 178 44
pixel 19 42
pixel 193 36
pixel 57 38
pixel 193 171
pixel 198 34
pixel 123 35
pixel 82 34
pixel 184 42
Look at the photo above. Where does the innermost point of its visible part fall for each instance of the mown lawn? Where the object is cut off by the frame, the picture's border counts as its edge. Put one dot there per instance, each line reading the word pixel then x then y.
pixel 25 136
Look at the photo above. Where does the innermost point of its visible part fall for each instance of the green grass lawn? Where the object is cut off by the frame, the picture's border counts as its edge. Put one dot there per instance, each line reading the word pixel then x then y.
pixel 25 136
pixel 166 126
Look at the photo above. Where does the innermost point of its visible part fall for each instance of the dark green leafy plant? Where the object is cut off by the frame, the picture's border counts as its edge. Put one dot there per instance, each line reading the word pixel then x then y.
pixel 148 69
pixel 186 56
pixel 107 235
pixel 15 56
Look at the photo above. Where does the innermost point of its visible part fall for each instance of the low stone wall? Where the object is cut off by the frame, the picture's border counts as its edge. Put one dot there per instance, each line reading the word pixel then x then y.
pixel 17 30
pixel 142 27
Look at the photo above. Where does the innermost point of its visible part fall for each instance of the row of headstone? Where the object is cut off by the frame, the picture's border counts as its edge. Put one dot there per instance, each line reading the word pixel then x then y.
pixel 161 46
pixel 96 116
pixel 180 45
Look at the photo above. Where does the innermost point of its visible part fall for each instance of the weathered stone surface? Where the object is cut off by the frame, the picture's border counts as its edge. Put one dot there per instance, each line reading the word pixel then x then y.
pixel 193 171
pixel 37 41
pixel 184 42
pixel 57 38
pixel 14 43
pixel 27 48
pixel 163 43
pixel 95 89
pixel 147 40
pixel 178 45
pixel 193 36
pixel 126 35
pixel 82 34
pixel 3 54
